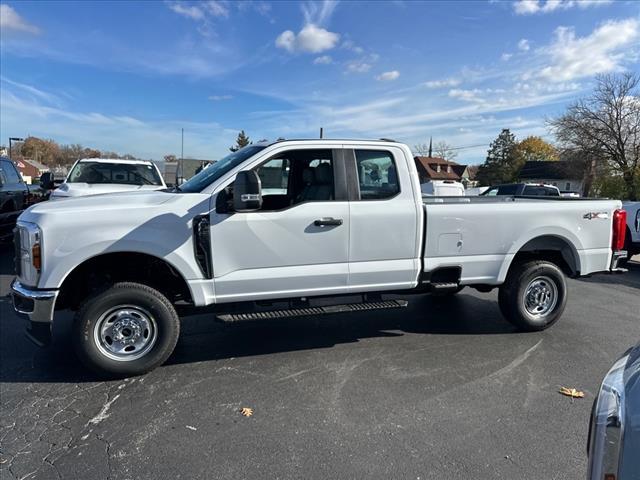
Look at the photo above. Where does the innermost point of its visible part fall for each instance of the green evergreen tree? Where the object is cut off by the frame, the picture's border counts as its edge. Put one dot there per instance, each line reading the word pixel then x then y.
pixel 499 167
pixel 241 141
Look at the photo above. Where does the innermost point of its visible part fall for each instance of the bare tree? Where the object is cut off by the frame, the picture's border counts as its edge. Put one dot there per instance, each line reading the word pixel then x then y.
pixel 605 129
pixel 443 150
pixel 422 149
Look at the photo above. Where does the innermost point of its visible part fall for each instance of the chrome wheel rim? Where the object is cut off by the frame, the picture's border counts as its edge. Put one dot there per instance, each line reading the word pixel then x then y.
pixel 540 297
pixel 125 333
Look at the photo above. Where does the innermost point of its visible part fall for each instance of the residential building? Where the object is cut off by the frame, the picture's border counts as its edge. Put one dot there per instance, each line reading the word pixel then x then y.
pixel 30 169
pixel 567 175
pixel 435 168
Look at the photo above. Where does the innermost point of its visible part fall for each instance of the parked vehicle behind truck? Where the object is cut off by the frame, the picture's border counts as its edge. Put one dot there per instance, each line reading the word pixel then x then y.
pixel 632 244
pixel 14 197
pixel 523 189
pixel 443 188
pixel 93 176
pixel 127 263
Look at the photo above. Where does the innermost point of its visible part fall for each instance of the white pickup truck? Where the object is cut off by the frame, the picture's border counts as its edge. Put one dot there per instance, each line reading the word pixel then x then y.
pixel 269 229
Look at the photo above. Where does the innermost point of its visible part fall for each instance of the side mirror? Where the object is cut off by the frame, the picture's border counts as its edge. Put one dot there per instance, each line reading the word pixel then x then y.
pixel 46 181
pixel 247 192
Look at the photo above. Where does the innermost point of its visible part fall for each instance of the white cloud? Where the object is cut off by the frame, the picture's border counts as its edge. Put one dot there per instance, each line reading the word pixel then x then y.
pixel 189 11
pixel 505 57
pixel 529 7
pixel 318 14
pixel 217 8
pixel 311 39
pixel 606 49
pixel 218 98
pixel 388 76
pixel 323 60
pixel 358 66
pixel 445 82
pixel 524 45
pixel 350 45
pixel 10 21
pixel 466 95
pixel 32 92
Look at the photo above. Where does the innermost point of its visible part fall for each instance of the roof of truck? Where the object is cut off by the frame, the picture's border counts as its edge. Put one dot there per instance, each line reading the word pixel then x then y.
pixel 117 160
pixel 328 140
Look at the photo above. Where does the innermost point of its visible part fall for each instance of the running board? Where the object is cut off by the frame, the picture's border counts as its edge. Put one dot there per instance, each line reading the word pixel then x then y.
pixel 301 312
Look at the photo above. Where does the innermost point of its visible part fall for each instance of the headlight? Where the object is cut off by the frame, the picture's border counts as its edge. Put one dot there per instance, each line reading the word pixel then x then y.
pixel 607 423
pixel 28 253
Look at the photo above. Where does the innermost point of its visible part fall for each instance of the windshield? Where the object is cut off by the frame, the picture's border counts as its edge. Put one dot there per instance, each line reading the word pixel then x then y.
pixel 121 173
pixel 210 174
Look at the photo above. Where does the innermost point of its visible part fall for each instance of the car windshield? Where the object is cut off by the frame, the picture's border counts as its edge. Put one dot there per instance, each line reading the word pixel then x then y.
pixel 210 174
pixel 121 173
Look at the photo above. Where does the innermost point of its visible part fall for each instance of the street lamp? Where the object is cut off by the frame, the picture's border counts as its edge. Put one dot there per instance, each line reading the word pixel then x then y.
pixel 14 139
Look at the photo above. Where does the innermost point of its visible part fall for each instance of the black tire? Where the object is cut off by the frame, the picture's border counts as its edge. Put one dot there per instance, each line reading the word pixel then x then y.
pixel 152 321
pixel 550 284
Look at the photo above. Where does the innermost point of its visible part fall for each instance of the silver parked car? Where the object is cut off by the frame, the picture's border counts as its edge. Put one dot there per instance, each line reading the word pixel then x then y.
pixel 614 429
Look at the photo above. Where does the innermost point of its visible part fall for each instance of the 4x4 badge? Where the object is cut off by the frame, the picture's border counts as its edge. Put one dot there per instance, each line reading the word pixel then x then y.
pixel 592 215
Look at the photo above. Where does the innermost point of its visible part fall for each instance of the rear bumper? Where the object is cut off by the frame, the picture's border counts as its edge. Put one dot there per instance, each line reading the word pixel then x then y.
pixel 37 306
pixel 616 257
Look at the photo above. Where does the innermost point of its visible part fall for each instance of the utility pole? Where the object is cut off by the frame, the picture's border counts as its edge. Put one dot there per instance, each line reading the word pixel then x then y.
pixel 181 165
pixel 13 139
pixel 321 133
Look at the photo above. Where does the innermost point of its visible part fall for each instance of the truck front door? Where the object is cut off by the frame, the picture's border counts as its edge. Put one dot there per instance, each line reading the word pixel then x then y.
pixel 297 244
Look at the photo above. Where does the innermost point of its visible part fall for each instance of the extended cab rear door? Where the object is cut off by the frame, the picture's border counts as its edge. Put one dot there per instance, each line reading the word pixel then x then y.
pixel 384 240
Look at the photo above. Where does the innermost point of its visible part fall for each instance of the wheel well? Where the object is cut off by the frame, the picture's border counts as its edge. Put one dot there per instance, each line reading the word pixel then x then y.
pixel 553 249
pixel 98 272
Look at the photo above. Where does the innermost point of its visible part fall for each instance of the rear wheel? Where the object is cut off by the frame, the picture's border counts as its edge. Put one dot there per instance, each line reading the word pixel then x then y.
pixel 533 296
pixel 128 329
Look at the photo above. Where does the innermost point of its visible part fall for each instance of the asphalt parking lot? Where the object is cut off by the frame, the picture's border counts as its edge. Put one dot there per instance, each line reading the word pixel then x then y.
pixel 442 389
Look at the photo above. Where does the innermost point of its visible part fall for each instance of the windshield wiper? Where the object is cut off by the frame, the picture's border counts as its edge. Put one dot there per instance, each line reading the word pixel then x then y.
pixel 147 181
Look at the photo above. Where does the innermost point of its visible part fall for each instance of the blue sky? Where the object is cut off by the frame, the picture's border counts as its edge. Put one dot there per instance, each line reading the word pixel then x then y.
pixel 126 76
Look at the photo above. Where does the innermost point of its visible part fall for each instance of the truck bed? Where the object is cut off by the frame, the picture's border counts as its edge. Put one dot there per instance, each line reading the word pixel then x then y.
pixel 482 235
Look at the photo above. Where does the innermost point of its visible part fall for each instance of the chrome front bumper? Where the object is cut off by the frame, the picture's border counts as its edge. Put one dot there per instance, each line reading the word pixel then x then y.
pixel 38 307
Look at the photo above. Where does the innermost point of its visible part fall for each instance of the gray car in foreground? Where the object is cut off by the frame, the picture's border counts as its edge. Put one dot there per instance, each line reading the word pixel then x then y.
pixel 614 430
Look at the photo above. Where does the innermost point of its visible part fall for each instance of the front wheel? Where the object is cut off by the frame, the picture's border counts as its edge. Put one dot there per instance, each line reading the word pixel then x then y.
pixel 126 330
pixel 533 296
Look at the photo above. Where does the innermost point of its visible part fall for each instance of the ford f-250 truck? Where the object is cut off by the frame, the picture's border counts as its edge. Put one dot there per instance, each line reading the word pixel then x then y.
pixel 268 229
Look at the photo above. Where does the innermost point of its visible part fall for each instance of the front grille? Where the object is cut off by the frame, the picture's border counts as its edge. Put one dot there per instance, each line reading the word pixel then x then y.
pixel 17 263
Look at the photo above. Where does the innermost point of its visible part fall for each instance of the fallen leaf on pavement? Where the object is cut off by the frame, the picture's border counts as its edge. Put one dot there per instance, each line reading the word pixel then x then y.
pixel 571 392
pixel 246 411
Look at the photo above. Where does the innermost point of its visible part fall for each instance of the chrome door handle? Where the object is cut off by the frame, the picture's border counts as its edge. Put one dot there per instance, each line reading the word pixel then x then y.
pixel 328 222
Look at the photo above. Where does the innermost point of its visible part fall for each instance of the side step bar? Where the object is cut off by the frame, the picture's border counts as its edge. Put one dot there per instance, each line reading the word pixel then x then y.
pixel 300 312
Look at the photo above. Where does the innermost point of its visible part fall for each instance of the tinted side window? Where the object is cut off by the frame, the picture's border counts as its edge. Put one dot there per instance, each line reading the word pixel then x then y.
pixel 11 175
pixel 377 174
pixel 534 191
pixel 297 176
pixel 508 190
